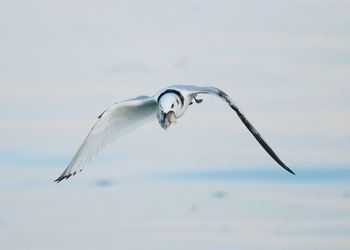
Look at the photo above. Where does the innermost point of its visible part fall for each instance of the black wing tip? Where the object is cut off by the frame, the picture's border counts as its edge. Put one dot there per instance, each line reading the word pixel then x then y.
pixel 65 176
pixel 286 168
pixel 62 177
pixel 289 170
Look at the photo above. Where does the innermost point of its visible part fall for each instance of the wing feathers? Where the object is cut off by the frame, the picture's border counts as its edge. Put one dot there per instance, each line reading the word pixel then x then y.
pixel 114 122
pixel 124 117
pixel 253 131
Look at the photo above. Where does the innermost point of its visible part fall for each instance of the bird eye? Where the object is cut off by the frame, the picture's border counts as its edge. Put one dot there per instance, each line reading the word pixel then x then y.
pixel 172 106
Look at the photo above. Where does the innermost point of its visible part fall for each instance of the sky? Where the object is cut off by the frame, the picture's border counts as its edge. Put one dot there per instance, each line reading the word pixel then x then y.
pixel 285 63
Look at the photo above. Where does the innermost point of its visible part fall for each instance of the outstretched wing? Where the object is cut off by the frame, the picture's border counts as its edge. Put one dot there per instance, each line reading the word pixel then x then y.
pixel 118 120
pixel 217 92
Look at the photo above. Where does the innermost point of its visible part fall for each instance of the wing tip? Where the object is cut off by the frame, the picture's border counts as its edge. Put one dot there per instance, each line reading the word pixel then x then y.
pixel 65 176
pixel 291 171
pixel 288 169
pixel 62 177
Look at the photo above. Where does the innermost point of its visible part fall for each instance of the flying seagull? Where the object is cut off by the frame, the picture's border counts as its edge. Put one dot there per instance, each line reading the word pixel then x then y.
pixel 167 105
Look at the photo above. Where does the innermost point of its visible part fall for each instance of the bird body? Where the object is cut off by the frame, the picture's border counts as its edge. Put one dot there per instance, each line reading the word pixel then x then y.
pixel 167 105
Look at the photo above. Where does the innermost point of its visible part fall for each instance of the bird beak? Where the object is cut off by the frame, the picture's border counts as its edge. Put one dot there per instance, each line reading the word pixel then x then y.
pixel 166 119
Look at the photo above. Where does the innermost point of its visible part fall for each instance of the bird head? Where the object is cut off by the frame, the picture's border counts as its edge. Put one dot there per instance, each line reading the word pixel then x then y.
pixel 168 108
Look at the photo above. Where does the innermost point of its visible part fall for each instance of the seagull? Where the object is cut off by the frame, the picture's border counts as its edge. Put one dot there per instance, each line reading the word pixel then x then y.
pixel 167 105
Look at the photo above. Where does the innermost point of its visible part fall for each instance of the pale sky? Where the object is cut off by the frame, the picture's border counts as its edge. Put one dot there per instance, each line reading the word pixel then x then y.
pixel 205 183
pixel 286 64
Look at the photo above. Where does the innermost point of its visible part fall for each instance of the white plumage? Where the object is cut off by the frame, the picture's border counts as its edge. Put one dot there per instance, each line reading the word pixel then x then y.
pixel 167 106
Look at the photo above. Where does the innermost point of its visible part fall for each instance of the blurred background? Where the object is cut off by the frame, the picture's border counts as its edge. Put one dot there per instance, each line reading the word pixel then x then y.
pixel 205 183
